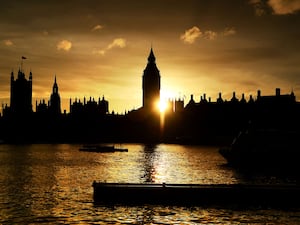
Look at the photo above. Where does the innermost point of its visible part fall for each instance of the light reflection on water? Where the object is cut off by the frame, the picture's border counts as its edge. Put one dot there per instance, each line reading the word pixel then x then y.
pixel 52 184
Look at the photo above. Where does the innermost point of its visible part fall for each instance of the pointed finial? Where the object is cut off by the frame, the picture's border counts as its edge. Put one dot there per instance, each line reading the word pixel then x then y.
pixel 151 57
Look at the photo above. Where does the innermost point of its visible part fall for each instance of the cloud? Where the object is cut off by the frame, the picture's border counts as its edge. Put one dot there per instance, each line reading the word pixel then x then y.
pixel 116 43
pixel 259 7
pixel 279 7
pixel 191 35
pixel 210 35
pixel 8 43
pixel 229 31
pixel 101 52
pixel 282 7
pixel 64 45
pixel 97 27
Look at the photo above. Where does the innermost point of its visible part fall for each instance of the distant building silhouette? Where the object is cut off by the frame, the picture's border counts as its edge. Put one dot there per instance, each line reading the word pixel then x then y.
pixel 89 108
pixel 53 108
pixel 202 121
pixel 277 99
pixel 21 94
pixel 42 107
pixel 178 105
pixel 151 83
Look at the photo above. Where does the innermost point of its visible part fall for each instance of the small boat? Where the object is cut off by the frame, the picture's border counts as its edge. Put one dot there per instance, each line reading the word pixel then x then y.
pixel 102 148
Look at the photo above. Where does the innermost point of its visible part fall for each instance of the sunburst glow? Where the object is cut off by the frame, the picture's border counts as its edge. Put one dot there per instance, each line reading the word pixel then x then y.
pixel 162 106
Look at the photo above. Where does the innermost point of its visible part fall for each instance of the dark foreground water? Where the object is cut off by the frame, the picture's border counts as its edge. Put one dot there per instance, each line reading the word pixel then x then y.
pixel 51 184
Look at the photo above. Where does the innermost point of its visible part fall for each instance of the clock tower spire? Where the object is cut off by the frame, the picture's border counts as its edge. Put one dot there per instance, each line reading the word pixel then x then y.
pixel 151 83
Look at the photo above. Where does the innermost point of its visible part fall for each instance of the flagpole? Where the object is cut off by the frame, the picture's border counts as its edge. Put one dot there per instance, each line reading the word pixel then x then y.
pixel 21 64
pixel 22 58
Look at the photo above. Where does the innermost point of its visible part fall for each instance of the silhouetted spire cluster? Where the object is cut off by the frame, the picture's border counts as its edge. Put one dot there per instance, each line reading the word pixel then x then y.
pixel 203 121
pixel 53 108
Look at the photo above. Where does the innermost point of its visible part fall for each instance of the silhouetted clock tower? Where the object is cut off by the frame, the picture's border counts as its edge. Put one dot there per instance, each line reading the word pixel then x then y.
pixel 54 105
pixel 151 83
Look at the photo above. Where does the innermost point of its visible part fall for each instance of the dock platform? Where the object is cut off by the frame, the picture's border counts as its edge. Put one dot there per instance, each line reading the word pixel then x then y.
pixel 197 194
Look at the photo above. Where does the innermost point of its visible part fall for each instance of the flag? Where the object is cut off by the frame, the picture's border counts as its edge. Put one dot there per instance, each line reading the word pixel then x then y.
pixel 23 57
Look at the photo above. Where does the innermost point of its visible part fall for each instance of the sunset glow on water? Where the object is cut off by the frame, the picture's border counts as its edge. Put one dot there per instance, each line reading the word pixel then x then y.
pixel 49 184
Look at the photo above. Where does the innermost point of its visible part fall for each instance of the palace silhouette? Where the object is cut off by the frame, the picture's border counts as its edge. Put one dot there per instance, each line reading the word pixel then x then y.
pixel 89 120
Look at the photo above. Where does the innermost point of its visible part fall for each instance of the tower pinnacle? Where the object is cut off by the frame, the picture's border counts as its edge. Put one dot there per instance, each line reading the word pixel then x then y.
pixel 151 57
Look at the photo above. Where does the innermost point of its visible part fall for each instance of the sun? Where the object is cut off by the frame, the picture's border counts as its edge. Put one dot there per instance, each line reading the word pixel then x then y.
pixel 162 106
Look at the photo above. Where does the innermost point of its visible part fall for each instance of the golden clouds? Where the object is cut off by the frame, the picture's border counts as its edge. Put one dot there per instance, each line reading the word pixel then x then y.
pixel 97 27
pixel 279 7
pixel 210 35
pixel 259 7
pixel 8 43
pixel 190 35
pixel 282 7
pixel 229 31
pixel 64 45
pixel 116 43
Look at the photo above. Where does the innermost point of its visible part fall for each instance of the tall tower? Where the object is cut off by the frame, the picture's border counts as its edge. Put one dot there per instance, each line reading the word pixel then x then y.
pixel 54 106
pixel 21 94
pixel 151 83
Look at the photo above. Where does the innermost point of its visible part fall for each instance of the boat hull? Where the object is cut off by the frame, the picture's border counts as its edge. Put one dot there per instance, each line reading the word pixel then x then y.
pixel 102 149
pixel 265 150
pixel 196 194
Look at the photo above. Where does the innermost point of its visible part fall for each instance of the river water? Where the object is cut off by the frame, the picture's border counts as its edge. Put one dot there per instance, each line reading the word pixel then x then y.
pixel 52 184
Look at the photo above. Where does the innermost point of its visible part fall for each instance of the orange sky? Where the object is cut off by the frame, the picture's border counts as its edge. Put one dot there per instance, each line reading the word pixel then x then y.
pixel 98 48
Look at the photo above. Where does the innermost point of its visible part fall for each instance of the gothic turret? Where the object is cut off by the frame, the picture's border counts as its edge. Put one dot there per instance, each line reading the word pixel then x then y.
pixel 21 94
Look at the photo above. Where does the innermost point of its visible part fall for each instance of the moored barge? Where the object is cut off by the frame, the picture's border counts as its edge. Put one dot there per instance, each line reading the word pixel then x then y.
pixel 102 148
pixel 196 194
